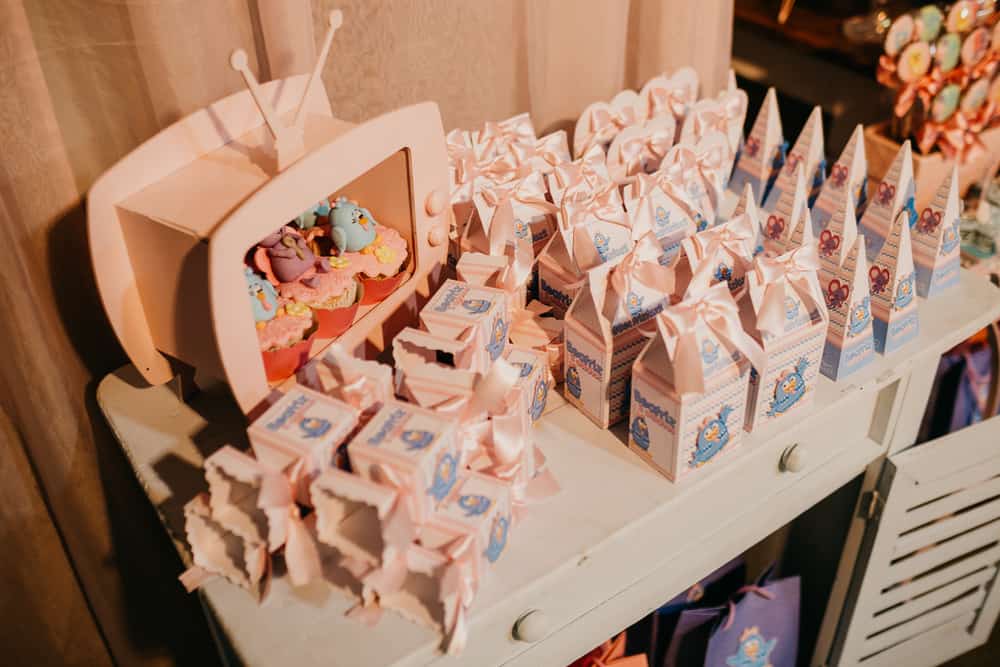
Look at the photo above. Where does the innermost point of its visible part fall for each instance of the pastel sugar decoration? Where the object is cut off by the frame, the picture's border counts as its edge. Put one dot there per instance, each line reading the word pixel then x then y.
pixel 650 208
pixel 899 34
pixel 458 309
pixel 786 313
pixel 586 238
pixel 847 177
pixel 760 151
pixel 412 450
pixel 888 199
pixel 303 425
pixel 352 227
pixel 936 243
pixel 914 62
pixel 892 281
pixel 843 276
pixel 473 524
pixel 263 297
pixel 533 380
pixel 948 51
pixel 689 385
pixel 604 330
pixel 807 154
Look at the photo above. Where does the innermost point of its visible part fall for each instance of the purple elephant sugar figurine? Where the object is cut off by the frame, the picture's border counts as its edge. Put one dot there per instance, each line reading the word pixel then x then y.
pixel 287 257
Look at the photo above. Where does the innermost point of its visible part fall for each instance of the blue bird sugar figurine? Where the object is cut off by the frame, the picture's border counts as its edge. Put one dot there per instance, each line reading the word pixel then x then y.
pixel 352 227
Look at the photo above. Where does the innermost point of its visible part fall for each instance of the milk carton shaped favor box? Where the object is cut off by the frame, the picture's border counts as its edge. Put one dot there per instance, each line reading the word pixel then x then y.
pixel 458 307
pixel 689 384
pixel 788 317
pixel 602 330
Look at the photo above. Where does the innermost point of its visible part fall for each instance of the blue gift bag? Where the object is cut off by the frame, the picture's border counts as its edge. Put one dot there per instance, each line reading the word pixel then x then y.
pixel 759 627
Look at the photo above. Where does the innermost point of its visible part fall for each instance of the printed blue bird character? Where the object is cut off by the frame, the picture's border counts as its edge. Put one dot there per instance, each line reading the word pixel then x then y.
pixel 904 292
pixel 713 436
pixel 573 381
pixel 861 315
pixel 474 504
pixel 662 217
pixel 352 227
pixel 525 368
pixel 314 427
pixel 723 273
pixel 700 222
pixel 789 388
pixel 709 351
pixel 498 539
pixel 416 439
pixel 950 238
pixel 791 308
pixel 310 217
pixel 476 306
pixel 633 303
pixel 521 229
pixel 602 243
pixel 498 338
pixel 754 650
pixel 538 399
pixel 445 474
pixel 640 432
pixel 263 297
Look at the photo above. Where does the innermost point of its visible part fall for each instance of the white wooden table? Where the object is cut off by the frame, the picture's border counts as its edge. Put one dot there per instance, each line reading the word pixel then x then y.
pixel 613 545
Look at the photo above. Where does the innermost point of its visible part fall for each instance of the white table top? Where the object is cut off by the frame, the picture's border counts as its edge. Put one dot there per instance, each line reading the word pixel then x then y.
pixel 609 498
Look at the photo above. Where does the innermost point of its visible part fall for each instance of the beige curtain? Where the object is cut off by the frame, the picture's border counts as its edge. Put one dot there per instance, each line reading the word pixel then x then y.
pixel 88 575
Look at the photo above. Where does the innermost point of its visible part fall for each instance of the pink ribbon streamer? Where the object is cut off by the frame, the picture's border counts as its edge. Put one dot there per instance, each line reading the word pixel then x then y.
pixel 715 309
pixel 795 270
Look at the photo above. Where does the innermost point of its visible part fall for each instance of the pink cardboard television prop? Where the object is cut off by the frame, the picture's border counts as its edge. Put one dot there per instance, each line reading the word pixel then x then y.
pixel 170 223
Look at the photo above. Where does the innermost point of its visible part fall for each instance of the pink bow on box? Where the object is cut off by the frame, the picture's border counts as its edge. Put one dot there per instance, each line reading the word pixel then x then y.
pixel 529 328
pixel 795 270
pixel 640 150
pixel 736 237
pixel 642 266
pixel 590 169
pixel 715 309
pixel 495 136
pixel 541 156
pixel 364 385
pixel 600 123
pixel 673 95
pixel 712 157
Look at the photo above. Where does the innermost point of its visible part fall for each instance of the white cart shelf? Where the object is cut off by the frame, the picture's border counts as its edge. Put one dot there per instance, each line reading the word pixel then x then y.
pixel 613 545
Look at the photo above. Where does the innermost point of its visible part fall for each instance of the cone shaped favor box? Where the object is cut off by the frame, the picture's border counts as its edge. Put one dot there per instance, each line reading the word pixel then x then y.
pixel 807 154
pixel 890 197
pixel 843 276
pixel 848 178
pixel 936 243
pixel 782 225
pixel 893 288
pixel 761 150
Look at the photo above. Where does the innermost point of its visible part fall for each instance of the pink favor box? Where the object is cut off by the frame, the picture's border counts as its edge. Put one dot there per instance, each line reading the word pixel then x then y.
pixel 417 447
pixel 479 507
pixel 533 383
pixel 458 307
pixel 302 424
pixel 679 434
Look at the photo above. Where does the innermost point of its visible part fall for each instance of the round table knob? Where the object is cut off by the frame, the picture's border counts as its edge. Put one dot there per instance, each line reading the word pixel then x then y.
pixel 437 236
pixel 436 201
pixel 793 459
pixel 531 627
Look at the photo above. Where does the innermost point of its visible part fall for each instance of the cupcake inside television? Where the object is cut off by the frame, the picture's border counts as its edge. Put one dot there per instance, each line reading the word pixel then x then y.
pixel 248 236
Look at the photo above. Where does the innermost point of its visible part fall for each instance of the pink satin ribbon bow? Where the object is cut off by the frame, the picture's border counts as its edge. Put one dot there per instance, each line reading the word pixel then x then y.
pixel 715 309
pixel 642 266
pixel 639 154
pixel 674 96
pixel 795 270
pixel 604 123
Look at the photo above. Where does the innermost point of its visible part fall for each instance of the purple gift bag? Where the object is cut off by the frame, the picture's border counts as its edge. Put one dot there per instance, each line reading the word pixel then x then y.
pixel 652 634
pixel 759 627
